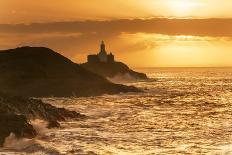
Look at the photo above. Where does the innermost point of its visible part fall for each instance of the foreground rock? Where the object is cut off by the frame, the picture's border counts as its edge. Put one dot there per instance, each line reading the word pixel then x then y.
pixel 34 109
pixel 16 111
pixel 41 72
pixel 112 69
pixel 17 124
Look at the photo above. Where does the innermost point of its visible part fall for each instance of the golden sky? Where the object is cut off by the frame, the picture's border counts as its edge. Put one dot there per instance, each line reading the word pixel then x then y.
pixel 153 33
pixel 18 11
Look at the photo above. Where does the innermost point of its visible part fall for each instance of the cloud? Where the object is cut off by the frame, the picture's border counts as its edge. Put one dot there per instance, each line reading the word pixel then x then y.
pixel 196 27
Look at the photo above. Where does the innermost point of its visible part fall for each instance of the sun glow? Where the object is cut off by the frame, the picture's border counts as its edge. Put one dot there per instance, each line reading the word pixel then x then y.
pixel 183 7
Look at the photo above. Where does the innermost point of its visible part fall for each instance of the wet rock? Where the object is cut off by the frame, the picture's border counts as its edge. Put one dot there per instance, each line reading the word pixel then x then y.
pixel 35 109
pixel 16 111
pixel 17 124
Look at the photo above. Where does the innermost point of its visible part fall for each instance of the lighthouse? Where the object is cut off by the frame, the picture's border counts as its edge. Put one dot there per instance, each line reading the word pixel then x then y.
pixel 102 55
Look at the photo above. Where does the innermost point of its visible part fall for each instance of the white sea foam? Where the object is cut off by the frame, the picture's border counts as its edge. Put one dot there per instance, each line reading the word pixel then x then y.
pixel 123 78
pixel 40 126
pixel 34 146
pixel 12 142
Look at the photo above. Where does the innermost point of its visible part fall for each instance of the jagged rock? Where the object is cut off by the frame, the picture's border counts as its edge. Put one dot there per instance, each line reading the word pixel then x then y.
pixel 35 109
pixel 16 111
pixel 17 124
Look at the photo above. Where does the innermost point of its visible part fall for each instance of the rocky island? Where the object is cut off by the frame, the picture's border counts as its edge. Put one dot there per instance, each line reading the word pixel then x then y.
pixel 104 64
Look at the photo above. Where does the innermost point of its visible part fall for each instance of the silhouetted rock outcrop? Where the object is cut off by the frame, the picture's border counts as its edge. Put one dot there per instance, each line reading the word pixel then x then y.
pixel 41 72
pixel 34 109
pixel 16 111
pixel 113 69
pixel 17 124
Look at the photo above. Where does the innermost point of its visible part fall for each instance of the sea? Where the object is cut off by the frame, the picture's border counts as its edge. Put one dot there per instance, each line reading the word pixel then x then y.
pixel 180 111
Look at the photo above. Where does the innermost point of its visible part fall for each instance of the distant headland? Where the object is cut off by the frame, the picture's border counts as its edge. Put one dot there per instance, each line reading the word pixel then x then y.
pixel 105 65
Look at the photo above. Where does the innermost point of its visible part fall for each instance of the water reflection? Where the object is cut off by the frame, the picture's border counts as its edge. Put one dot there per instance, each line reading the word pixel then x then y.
pixel 182 112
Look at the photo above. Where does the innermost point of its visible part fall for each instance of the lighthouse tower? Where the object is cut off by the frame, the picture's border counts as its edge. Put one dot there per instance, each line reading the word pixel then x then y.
pixel 102 55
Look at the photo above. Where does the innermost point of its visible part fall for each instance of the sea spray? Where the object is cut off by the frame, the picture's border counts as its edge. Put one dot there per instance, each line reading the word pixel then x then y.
pixel 12 142
pixel 36 145
pixel 40 126
pixel 123 78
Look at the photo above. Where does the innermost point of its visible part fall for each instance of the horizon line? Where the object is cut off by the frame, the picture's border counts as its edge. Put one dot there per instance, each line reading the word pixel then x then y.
pixel 118 19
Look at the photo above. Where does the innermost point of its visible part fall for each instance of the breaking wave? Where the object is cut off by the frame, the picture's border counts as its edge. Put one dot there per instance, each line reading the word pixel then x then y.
pixel 12 142
pixel 34 146
pixel 123 78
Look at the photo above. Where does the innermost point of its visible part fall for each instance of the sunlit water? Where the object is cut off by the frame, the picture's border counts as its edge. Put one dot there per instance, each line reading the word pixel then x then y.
pixel 182 111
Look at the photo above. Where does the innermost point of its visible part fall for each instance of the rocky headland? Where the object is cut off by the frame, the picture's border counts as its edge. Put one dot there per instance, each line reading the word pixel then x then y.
pixel 41 72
